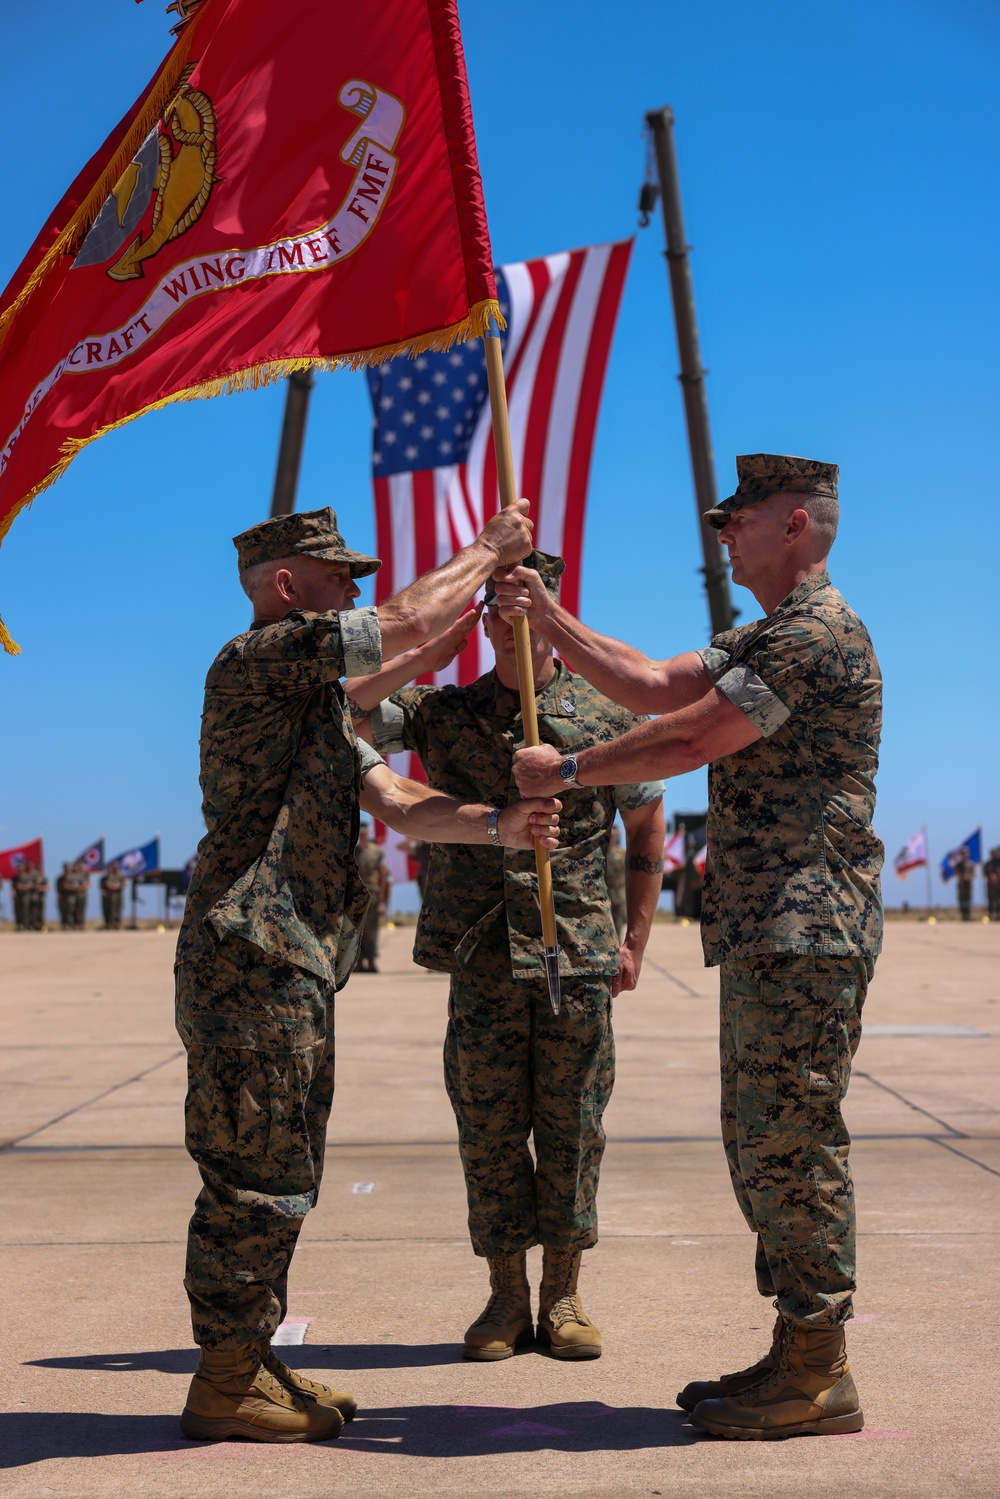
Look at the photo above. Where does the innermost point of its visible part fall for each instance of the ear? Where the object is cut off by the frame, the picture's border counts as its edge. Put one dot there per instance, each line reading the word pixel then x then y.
pixel 284 584
pixel 796 526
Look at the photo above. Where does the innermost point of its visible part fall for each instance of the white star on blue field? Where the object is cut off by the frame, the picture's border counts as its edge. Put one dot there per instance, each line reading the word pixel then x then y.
pixel 426 409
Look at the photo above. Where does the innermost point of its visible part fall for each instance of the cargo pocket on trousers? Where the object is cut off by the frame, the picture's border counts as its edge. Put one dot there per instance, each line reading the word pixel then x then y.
pixel 817 1008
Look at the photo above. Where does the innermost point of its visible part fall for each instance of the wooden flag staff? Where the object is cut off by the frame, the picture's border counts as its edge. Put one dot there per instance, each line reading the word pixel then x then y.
pixel 522 646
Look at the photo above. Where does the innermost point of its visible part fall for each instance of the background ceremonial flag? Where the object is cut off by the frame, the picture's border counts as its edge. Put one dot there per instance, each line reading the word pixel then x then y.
pixel 701 859
pixel 674 852
pixel 139 860
pixel 92 858
pixel 973 846
pixel 912 855
pixel 11 859
pixel 297 186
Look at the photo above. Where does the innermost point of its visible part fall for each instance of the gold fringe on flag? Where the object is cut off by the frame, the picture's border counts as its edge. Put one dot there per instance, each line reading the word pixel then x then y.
pixel 255 377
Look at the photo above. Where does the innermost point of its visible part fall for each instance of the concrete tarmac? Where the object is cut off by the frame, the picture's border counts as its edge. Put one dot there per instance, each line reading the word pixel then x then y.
pixel 96 1190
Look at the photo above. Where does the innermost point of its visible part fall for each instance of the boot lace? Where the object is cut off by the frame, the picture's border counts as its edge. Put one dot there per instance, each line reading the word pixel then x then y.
pixel 772 1377
pixel 564 1310
pixel 501 1308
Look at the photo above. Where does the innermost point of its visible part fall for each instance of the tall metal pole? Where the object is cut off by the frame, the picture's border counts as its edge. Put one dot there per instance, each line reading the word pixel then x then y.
pixel 293 432
pixel 692 376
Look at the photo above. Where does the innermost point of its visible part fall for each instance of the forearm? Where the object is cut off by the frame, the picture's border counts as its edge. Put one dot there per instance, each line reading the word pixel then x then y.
pixel 643 883
pixel 622 673
pixel 419 812
pixel 653 751
pixel 432 603
pixel 368 692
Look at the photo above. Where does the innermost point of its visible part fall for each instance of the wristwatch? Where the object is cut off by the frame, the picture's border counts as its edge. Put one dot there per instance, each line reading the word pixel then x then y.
pixel 567 771
pixel 491 827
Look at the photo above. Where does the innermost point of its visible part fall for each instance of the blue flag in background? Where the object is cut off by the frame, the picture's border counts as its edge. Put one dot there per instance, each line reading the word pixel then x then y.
pixel 973 847
pixel 139 860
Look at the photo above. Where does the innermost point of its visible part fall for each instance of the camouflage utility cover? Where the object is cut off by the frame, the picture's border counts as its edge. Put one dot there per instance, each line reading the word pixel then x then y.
pixel 304 533
pixel 281 771
pixel 465 738
pixel 793 862
pixel 760 475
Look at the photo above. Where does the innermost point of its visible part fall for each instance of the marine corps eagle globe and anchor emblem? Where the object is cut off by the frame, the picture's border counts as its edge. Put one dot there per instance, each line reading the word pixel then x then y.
pixel 176 162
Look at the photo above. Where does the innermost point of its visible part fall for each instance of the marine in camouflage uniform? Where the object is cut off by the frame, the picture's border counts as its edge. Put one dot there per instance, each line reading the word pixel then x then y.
pixel 112 892
pixel 513 1069
pixel 271 929
pixel 991 871
pixel 64 897
pixel 374 871
pixel 38 890
pixel 965 874
pixel 788 712
pixel 78 884
pixel 22 885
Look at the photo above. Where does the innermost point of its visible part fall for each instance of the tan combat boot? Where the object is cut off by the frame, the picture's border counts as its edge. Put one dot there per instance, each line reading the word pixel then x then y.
pixel 233 1395
pixel 307 1389
pixel 506 1321
pixel 735 1384
pixel 562 1322
pixel 810 1393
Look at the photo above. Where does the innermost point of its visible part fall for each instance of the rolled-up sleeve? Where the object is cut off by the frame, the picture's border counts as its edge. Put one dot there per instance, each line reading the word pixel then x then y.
pixel 636 794
pixel 388 722
pixel 305 649
pixel 369 758
pixel 362 640
pixel 745 690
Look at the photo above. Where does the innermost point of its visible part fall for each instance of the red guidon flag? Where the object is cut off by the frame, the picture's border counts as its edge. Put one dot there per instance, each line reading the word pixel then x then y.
pixel 297 186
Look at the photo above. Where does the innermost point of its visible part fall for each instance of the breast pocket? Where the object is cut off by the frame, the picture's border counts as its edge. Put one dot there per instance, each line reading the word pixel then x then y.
pixel 480 766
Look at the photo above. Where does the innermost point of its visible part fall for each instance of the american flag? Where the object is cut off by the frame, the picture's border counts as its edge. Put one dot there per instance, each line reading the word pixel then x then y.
pixel 433 460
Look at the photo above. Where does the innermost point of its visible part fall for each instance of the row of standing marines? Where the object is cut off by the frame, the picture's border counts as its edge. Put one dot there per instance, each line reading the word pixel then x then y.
pixel 300 710
pixel 31 887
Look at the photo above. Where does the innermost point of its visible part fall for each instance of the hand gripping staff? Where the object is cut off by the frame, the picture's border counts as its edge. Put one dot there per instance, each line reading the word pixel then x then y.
pixel 522 646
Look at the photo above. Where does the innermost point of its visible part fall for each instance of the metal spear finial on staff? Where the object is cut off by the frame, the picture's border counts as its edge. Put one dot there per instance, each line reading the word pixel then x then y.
pixel 522 646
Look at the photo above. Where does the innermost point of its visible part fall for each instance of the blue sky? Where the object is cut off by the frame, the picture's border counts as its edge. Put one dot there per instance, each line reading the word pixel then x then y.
pixel 838 166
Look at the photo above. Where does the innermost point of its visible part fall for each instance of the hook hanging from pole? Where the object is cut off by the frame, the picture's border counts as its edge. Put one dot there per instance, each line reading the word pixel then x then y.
pixel 649 192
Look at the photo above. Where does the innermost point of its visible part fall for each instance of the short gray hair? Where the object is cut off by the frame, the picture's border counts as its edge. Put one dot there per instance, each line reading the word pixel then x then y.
pixel 255 578
pixel 824 517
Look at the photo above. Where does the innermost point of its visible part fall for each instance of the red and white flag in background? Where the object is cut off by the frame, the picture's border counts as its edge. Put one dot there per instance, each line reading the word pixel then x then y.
pixel 913 854
pixel 433 459
pixel 701 859
pixel 674 852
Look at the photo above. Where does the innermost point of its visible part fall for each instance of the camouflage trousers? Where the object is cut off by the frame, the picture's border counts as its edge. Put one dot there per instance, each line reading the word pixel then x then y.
pixel 260 1087
pixel 514 1070
pixel 369 932
pixel 789 1029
